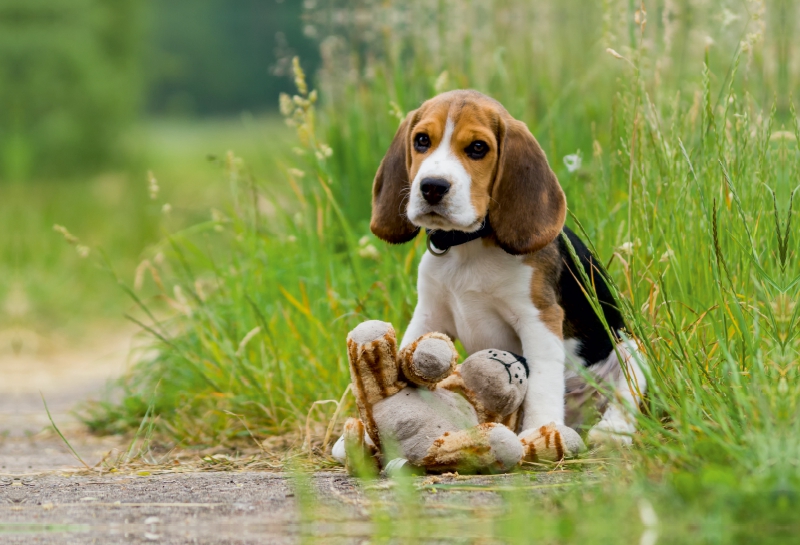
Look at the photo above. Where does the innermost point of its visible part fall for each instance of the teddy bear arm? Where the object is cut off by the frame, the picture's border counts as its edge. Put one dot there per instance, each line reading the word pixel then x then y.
pixel 374 370
pixel 428 360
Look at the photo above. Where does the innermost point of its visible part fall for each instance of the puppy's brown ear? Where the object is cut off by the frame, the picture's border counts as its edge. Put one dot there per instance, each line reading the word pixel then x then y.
pixel 391 188
pixel 528 207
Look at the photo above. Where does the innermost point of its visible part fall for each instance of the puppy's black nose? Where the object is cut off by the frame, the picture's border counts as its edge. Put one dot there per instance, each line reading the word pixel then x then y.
pixel 434 189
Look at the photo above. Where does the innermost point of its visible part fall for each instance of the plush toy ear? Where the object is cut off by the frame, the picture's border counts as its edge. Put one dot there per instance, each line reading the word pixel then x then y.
pixel 391 188
pixel 528 207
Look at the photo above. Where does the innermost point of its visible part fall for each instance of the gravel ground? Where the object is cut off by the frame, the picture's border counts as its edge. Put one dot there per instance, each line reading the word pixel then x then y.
pixel 232 507
pixel 46 496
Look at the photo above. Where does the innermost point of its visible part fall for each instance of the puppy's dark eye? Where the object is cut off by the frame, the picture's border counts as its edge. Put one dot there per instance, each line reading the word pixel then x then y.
pixel 422 142
pixel 477 150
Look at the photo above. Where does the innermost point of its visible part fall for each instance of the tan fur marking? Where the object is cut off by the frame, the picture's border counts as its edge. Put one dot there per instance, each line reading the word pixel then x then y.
pixel 546 444
pixel 559 445
pixel 547 266
pixel 463 449
pixel 513 420
pixel 364 406
pixel 374 365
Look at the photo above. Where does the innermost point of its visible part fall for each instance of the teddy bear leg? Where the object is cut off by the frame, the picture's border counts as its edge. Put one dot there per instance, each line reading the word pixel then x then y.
pixel 339 453
pixel 551 443
pixel 374 372
pixel 487 447
pixel 353 450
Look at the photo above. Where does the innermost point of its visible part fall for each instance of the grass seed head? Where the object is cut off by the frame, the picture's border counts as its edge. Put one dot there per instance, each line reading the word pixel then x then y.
pixel 69 237
pixel 152 185
pixel 299 76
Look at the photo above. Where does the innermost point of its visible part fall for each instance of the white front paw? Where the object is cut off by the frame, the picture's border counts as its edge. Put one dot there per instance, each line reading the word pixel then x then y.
pixel 611 433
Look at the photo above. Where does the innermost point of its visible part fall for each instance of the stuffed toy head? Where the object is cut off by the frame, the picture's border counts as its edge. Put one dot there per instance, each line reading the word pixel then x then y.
pixel 499 380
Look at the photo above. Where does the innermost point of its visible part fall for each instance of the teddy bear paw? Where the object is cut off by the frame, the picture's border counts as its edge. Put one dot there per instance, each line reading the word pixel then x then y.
pixel 551 443
pixel 429 359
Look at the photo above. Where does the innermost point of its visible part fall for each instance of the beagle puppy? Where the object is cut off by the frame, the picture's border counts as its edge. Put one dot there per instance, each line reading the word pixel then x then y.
pixel 497 273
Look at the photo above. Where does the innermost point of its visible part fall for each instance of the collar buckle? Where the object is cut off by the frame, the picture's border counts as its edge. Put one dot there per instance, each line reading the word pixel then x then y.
pixel 442 241
pixel 436 252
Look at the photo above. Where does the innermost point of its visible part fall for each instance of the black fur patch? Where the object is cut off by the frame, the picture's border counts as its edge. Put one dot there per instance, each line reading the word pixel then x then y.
pixel 580 321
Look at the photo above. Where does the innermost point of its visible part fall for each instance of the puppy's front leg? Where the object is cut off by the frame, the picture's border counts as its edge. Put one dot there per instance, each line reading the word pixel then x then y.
pixel 543 431
pixel 544 402
pixel 431 313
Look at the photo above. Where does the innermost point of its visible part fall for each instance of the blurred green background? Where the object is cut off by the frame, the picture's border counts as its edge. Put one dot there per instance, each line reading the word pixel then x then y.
pixel 79 72
pixel 96 94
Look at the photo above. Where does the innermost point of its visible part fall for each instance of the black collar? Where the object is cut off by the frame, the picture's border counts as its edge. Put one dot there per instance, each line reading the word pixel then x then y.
pixel 444 240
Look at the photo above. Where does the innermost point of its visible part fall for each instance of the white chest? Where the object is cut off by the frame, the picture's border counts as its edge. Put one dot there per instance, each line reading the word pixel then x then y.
pixel 484 292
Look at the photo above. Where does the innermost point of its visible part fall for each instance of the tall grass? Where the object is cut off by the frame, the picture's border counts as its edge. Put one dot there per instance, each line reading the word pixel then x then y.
pixel 689 160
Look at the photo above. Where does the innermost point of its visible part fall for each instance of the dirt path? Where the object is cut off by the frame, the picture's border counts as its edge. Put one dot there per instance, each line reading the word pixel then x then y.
pixel 243 507
pixel 64 374
pixel 45 498
pixel 32 368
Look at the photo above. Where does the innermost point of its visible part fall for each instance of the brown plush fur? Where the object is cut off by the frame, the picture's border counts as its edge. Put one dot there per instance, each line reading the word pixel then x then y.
pixel 454 450
pixel 410 365
pixel 546 445
pixel 372 379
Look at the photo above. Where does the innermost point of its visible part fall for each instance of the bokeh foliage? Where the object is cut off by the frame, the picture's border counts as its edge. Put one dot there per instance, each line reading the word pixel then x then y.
pixel 70 78
pixel 216 57
pixel 75 75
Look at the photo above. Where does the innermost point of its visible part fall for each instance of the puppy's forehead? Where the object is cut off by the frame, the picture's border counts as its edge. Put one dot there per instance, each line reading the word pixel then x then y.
pixel 462 108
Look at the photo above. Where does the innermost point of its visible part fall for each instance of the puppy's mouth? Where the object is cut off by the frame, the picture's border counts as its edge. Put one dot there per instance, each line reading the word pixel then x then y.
pixel 441 221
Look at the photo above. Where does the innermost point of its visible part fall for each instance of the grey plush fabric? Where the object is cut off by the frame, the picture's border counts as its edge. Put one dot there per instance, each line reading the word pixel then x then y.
pixel 572 441
pixel 498 379
pixel 506 447
pixel 432 359
pixel 414 417
pixel 372 330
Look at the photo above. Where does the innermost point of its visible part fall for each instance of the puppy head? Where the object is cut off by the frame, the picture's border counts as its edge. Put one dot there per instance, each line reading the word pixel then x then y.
pixel 459 159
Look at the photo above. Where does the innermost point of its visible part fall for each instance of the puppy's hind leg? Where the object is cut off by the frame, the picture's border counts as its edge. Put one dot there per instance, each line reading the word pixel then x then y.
pixel 618 423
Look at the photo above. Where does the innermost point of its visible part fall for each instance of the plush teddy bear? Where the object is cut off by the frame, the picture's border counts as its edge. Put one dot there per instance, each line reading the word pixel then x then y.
pixel 438 416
